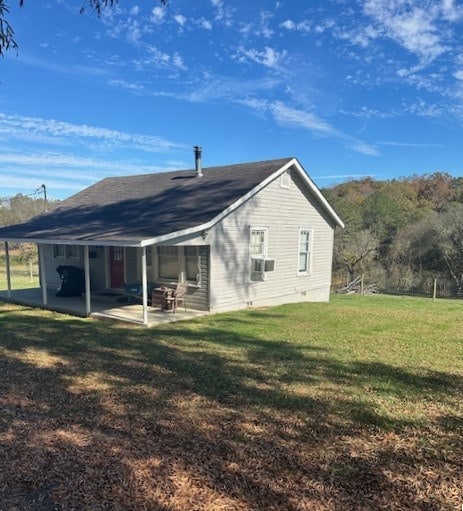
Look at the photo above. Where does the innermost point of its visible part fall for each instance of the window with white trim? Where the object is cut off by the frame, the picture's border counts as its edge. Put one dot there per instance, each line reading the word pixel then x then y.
pixel 305 251
pixel 65 251
pixel 258 251
pixel 58 251
pixel 168 266
pixel 179 262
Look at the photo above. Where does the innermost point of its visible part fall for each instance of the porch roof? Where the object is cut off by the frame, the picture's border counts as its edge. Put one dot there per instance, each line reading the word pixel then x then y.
pixel 131 209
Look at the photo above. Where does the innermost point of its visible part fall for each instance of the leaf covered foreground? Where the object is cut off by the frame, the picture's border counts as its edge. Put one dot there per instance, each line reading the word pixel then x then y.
pixel 290 408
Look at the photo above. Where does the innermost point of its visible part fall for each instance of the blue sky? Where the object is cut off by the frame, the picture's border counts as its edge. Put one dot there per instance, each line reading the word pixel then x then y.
pixel 352 88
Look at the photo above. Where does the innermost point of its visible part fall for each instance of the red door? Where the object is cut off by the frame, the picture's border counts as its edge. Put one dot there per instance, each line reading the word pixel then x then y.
pixel 116 266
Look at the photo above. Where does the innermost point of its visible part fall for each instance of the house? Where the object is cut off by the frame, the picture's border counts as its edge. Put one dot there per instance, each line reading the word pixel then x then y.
pixel 242 235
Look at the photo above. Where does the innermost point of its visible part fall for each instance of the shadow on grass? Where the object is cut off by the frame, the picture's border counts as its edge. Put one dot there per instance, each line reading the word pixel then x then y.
pixel 97 416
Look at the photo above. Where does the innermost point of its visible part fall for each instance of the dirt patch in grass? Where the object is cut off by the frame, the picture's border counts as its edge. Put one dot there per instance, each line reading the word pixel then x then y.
pixel 206 416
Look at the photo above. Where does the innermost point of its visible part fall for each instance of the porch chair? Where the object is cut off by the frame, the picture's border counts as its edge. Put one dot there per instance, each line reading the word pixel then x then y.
pixel 179 295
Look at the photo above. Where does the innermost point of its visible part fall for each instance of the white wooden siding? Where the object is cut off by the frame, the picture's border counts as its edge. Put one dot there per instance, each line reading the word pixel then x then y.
pixel 283 211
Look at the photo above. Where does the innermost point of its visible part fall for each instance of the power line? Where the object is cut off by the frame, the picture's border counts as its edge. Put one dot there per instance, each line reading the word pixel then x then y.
pixel 40 189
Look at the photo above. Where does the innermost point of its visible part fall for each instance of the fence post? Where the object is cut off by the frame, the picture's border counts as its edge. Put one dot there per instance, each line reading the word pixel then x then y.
pixel 361 285
pixel 434 291
pixel 31 274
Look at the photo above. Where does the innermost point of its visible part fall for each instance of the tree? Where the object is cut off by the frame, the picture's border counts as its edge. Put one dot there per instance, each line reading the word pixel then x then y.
pixel 7 39
pixel 436 189
pixel 355 250
pixel 21 208
pixel 434 245
pixel 414 251
pixel 451 241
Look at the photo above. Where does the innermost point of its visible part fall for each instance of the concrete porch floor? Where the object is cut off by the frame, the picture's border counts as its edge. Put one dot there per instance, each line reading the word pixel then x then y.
pixel 102 307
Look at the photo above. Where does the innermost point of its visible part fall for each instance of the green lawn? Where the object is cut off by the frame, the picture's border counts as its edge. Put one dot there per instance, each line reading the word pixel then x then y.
pixel 20 276
pixel 355 404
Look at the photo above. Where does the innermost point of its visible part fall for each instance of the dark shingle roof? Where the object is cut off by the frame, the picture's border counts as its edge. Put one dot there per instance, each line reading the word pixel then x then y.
pixel 133 208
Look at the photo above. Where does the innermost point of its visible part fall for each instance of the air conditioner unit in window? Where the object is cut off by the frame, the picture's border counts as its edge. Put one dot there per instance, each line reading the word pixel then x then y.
pixel 269 265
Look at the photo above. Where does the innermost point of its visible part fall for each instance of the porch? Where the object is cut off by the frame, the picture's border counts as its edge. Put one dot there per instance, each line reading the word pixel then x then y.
pixel 104 306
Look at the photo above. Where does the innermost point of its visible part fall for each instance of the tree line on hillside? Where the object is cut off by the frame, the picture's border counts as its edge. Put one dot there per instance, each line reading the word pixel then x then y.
pixel 406 230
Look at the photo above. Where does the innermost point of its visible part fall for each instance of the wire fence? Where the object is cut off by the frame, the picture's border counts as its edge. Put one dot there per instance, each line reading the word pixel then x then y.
pixel 437 287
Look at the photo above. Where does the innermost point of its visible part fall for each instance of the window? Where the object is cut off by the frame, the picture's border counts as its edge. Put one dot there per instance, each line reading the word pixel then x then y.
pixel 72 252
pixel 285 179
pixel 65 251
pixel 168 263
pixel 258 251
pixel 58 251
pixel 191 260
pixel 179 263
pixel 117 253
pixel 305 248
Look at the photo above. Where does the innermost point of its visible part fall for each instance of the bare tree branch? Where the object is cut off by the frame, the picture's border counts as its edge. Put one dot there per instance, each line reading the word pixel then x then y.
pixel 7 40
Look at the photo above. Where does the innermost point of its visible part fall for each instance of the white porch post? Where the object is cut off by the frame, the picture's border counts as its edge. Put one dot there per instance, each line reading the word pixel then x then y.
pixel 8 269
pixel 87 280
pixel 144 283
pixel 43 275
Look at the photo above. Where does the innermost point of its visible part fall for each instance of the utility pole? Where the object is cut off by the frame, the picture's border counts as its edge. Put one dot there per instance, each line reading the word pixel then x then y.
pixel 44 188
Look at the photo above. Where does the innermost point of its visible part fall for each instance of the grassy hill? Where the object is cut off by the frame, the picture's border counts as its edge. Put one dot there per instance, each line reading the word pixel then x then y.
pixel 353 404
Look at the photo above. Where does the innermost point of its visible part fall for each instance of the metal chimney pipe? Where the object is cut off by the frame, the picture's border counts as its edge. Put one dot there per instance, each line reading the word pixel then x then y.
pixel 197 150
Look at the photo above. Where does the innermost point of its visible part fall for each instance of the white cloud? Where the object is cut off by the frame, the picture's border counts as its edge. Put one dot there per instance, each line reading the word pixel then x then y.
pixel 135 10
pixel 423 109
pixel 206 24
pixel 288 24
pixel 269 57
pixel 342 176
pixel 264 29
pixel 133 32
pixel 451 12
pixel 21 127
pixel 65 171
pixel 303 26
pixel 220 10
pixel 177 61
pixel 410 145
pixel 158 58
pixel 293 117
pixel 222 13
pixel 254 103
pixel 13 182
pixel 158 14
pixel 217 88
pixel 64 69
pixel 412 24
pixel 52 164
pixel 363 148
pixel 126 85
pixel 180 19
pixel 458 75
pixel 288 116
